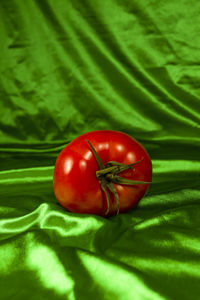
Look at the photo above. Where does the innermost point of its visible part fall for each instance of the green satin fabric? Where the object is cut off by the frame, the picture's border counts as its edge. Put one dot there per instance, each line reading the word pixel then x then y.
pixel 69 67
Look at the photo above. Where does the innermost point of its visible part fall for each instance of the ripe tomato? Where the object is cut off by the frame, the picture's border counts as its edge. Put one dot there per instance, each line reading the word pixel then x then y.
pixel 91 173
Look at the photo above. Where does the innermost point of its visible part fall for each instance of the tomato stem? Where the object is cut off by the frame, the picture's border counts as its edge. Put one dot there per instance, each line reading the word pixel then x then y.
pixel 116 168
pixel 107 175
pixel 98 159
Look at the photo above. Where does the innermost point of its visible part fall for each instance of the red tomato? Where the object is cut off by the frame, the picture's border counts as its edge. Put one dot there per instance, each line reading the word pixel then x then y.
pixel 76 185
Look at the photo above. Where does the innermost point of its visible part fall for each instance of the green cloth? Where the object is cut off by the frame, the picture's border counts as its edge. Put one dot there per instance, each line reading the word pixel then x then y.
pixel 72 66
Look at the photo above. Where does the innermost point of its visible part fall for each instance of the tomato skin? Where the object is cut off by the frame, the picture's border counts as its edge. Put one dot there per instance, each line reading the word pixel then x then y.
pixel 75 184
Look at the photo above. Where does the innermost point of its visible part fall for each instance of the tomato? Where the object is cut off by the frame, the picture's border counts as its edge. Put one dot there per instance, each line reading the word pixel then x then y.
pixel 102 172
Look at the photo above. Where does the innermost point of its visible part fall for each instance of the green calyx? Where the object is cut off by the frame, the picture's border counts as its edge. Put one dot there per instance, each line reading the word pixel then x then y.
pixel 107 175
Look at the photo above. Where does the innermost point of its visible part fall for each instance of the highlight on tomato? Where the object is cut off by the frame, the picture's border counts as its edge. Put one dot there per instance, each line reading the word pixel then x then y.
pixel 102 172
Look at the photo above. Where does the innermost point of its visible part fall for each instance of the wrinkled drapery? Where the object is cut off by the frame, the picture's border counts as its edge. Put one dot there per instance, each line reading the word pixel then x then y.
pixel 69 67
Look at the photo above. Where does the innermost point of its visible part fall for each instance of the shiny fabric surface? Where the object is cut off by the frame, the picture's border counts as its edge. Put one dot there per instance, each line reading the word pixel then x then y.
pixel 69 67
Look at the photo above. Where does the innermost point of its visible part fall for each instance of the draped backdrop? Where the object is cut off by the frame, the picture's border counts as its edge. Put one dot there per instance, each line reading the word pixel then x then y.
pixel 71 66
